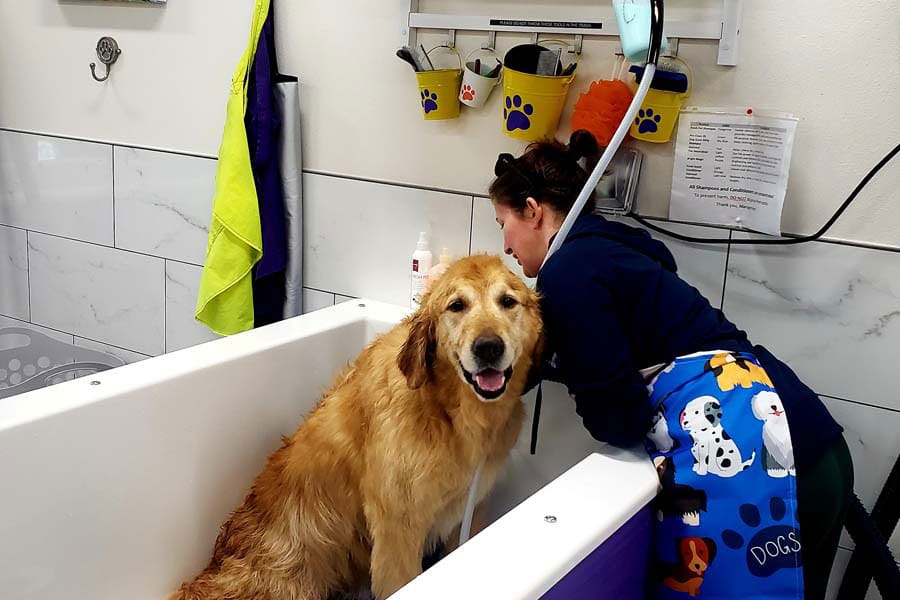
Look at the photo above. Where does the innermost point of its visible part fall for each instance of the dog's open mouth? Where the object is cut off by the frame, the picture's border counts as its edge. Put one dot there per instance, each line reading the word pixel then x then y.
pixel 489 384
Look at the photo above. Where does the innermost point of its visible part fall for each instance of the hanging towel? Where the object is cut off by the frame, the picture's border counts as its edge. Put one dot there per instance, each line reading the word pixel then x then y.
pixel 263 123
pixel 287 93
pixel 225 299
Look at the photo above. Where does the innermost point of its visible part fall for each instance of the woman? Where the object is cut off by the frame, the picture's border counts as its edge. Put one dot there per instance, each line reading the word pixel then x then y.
pixel 747 454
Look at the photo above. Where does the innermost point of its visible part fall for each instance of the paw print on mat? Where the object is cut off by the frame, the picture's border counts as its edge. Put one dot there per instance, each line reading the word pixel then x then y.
pixel 646 121
pixel 429 101
pixel 516 115
pixel 468 93
pixel 770 549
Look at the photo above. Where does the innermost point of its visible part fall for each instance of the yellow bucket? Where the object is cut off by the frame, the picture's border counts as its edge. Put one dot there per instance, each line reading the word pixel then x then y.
pixel 532 104
pixel 656 119
pixel 439 92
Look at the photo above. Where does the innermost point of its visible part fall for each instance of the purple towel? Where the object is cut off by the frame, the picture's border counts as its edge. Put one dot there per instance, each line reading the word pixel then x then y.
pixel 263 134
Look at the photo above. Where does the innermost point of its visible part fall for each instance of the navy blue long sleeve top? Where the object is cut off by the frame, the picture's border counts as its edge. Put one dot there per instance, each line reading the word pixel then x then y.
pixel 613 304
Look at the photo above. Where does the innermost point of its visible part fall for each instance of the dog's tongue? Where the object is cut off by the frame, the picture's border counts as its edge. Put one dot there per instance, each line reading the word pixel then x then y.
pixel 490 380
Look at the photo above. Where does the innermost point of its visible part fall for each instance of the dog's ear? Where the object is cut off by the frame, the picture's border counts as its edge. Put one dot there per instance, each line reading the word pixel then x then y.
pixel 537 353
pixel 535 371
pixel 416 358
pixel 711 546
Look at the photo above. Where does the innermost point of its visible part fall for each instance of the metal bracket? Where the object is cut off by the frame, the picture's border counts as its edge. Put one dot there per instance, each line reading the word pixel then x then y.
pixel 724 27
pixel 579 44
pixel 673 46
pixel 451 38
pixel 730 40
pixel 491 44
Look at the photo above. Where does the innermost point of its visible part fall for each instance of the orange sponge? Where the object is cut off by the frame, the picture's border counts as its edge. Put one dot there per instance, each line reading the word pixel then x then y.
pixel 601 108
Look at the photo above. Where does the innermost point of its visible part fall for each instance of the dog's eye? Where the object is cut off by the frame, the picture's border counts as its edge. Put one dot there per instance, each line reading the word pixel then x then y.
pixel 457 306
pixel 508 301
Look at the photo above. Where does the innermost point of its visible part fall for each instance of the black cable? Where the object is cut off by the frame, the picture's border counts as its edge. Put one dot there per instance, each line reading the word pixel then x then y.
pixel 657 18
pixel 874 549
pixel 885 515
pixel 781 241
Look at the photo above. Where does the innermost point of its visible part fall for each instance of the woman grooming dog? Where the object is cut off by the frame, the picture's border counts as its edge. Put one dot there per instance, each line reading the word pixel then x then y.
pixel 751 456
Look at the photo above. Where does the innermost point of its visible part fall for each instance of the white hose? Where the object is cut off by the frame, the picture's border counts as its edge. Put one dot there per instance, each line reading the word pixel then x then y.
pixel 605 159
pixel 466 528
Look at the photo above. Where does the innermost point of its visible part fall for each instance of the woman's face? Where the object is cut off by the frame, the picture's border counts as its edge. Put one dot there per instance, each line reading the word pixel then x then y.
pixel 523 236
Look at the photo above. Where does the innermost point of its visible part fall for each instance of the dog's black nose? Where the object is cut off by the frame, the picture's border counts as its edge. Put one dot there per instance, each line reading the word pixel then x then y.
pixel 488 348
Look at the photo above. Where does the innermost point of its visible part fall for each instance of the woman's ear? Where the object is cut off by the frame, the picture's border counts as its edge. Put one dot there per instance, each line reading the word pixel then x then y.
pixel 533 212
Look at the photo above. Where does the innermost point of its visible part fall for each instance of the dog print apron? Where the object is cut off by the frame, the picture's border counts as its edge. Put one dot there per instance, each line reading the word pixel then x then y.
pixel 727 522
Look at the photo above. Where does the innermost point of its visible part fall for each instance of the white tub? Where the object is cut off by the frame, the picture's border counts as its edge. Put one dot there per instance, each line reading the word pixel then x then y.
pixel 112 487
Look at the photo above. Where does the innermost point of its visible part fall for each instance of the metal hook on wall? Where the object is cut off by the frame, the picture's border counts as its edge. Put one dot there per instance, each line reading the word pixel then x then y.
pixel 108 52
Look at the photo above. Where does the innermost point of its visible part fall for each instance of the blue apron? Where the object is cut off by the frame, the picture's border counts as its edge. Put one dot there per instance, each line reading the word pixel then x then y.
pixel 727 513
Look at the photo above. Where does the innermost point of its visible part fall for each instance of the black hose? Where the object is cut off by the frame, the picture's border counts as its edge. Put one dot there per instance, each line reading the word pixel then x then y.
pixel 657 18
pixel 862 565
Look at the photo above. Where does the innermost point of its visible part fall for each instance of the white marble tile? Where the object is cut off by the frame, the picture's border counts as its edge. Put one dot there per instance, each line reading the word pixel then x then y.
pixel 163 203
pixel 871 435
pixel 701 265
pixel 831 311
pixel 126 356
pixel 13 273
pixel 314 300
pixel 182 285
pixel 104 294
pixel 841 560
pixel 359 237
pixel 57 186
pixel 487 238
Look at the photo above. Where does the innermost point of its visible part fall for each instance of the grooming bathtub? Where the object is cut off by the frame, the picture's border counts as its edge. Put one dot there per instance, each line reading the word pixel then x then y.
pixel 113 486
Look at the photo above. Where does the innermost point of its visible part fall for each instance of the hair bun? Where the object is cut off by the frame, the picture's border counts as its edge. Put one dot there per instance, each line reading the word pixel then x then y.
pixel 582 143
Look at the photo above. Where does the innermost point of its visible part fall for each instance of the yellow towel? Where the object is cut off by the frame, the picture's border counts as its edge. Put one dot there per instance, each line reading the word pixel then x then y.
pixel 225 300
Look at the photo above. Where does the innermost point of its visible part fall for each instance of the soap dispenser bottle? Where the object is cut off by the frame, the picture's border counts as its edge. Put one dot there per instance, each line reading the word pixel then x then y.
pixel 437 270
pixel 421 265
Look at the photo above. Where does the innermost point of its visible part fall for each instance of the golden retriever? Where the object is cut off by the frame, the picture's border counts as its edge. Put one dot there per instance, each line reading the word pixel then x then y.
pixel 380 470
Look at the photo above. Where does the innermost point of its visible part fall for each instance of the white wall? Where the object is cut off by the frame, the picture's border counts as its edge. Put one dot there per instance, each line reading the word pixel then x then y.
pixel 832 64
pixel 168 88
pixel 101 245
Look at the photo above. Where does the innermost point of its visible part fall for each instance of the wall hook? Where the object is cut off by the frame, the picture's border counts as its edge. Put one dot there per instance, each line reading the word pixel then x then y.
pixel 108 52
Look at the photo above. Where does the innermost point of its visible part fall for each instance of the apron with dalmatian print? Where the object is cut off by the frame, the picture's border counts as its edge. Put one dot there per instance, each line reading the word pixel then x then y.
pixel 727 513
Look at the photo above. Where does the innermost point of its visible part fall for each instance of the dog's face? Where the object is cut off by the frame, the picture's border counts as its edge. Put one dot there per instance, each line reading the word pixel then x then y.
pixel 696 553
pixel 478 320
pixel 701 414
pixel 767 407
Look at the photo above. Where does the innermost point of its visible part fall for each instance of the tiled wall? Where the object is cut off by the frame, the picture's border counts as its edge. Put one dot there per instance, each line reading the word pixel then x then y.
pixel 104 245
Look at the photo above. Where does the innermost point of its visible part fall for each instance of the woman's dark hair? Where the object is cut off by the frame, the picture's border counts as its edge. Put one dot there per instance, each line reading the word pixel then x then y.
pixel 548 171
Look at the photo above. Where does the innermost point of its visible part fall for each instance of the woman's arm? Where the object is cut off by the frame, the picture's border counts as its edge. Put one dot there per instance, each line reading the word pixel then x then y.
pixel 594 357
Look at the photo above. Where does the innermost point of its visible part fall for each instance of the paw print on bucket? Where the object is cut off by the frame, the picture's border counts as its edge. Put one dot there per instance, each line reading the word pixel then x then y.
pixel 646 121
pixel 516 114
pixel 429 101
